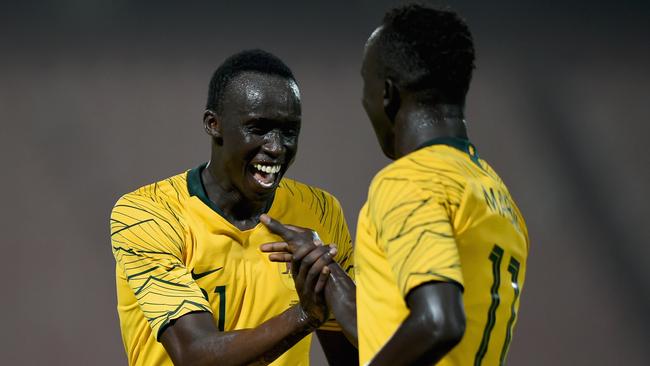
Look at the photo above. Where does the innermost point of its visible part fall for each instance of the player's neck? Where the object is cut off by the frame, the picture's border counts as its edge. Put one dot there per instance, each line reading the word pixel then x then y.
pixel 417 123
pixel 235 207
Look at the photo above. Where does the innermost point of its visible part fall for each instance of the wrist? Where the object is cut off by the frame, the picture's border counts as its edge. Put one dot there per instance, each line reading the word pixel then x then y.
pixel 306 322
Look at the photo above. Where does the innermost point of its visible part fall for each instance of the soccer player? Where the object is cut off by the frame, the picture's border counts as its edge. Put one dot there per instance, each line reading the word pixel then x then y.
pixel 441 247
pixel 193 287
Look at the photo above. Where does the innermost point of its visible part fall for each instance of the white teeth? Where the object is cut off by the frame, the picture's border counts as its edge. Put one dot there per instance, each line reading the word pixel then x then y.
pixel 271 169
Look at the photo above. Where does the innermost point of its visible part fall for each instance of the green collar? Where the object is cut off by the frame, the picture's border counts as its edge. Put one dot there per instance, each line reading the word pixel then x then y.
pixel 458 143
pixel 195 187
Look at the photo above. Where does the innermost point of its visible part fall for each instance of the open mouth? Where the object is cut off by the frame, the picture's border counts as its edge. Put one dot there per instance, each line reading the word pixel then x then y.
pixel 265 174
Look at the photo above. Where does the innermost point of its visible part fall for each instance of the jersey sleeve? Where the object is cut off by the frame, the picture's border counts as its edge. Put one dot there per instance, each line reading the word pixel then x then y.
pixel 343 239
pixel 339 234
pixel 415 232
pixel 148 246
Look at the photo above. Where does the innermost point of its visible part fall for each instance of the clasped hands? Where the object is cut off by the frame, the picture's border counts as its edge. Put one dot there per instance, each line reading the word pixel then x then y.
pixel 308 259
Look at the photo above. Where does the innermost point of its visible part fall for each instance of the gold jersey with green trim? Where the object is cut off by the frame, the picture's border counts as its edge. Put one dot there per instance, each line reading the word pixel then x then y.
pixel 175 254
pixel 441 213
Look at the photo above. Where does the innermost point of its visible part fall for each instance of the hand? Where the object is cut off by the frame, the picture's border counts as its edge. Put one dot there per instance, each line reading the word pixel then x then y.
pixel 309 260
pixel 280 252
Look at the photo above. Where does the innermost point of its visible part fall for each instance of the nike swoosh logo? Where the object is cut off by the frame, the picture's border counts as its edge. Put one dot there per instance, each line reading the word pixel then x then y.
pixel 196 276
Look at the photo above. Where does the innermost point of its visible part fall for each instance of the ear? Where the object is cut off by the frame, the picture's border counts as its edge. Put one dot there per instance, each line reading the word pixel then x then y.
pixel 212 125
pixel 392 99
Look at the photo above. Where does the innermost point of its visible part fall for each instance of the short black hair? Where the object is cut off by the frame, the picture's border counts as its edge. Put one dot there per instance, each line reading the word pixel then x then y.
pixel 428 48
pixel 255 60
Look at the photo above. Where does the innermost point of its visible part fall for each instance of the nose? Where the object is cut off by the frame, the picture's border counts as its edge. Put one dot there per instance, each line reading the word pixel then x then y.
pixel 273 144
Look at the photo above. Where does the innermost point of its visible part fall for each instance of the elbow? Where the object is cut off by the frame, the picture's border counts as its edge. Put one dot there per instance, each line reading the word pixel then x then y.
pixel 452 331
pixel 444 330
pixel 448 330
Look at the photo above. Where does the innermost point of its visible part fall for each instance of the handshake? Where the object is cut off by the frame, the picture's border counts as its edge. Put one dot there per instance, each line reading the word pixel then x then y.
pixel 309 261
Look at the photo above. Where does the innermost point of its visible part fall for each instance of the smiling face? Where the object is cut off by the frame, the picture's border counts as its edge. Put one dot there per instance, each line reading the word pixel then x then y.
pixel 258 132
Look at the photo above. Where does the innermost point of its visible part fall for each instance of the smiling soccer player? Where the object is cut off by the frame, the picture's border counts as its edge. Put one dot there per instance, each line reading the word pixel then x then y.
pixel 192 284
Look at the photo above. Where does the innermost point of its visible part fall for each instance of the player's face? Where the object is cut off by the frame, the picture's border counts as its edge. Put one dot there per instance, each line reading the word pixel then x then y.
pixel 373 96
pixel 260 127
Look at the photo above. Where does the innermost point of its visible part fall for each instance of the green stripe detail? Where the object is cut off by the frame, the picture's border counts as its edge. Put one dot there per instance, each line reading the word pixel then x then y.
pixel 221 290
pixel 513 268
pixel 495 257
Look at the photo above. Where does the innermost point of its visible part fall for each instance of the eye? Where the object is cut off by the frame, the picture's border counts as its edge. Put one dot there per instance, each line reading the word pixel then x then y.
pixel 291 131
pixel 257 130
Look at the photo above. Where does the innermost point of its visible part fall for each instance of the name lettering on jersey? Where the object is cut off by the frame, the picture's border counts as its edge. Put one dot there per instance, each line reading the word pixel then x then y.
pixel 501 203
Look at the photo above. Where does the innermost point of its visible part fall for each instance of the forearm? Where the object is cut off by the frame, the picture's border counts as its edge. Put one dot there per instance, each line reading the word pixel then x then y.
pixel 257 346
pixel 341 297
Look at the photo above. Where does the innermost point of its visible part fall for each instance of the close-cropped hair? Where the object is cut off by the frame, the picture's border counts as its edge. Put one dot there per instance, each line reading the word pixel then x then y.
pixel 424 48
pixel 255 60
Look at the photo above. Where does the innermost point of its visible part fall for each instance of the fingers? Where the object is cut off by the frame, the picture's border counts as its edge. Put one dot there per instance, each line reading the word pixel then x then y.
pixel 316 272
pixel 279 251
pixel 316 269
pixel 303 259
pixel 296 228
pixel 280 257
pixel 322 279
pixel 334 250
pixel 275 247
pixel 311 265
pixel 277 227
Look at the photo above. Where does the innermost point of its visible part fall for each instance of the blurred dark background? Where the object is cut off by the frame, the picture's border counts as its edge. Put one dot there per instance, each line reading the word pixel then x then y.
pixel 100 97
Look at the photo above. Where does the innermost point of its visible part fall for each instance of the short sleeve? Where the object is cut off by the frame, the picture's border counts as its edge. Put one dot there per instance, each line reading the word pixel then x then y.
pixel 415 232
pixel 148 245
pixel 339 234
pixel 342 238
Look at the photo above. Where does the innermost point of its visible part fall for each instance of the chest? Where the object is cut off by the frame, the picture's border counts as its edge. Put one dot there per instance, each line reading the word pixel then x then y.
pixel 243 286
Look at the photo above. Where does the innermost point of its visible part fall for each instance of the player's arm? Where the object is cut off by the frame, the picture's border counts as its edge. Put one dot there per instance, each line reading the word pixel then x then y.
pixel 340 290
pixel 148 245
pixel 341 298
pixel 416 234
pixel 435 324
pixel 194 340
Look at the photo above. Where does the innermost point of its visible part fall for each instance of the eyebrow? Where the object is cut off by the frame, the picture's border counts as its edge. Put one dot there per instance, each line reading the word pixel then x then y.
pixel 256 120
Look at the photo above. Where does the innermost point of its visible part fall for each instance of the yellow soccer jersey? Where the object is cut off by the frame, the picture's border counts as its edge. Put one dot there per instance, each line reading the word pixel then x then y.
pixel 176 254
pixel 441 214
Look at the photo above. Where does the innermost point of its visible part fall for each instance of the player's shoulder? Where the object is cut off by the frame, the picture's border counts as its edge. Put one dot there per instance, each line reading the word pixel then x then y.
pixel 306 193
pixel 412 165
pixel 163 194
pixel 489 171
pixel 424 169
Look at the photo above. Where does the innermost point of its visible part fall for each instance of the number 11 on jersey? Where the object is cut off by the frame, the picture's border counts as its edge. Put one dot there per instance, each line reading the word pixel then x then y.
pixel 495 257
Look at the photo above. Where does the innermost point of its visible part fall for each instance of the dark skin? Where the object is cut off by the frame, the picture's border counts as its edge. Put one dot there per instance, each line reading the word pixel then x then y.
pixel 436 321
pixel 340 290
pixel 403 120
pixel 260 125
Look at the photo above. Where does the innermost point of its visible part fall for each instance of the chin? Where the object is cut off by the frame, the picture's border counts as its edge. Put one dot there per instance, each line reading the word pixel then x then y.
pixel 257 191
pixel 388 150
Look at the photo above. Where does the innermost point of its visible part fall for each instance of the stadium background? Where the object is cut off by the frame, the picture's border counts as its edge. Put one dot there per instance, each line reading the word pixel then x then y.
pixel 100 97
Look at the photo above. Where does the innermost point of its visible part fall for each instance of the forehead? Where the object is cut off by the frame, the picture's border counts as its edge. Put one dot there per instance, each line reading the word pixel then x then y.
pixel 370 51
pixel 262 95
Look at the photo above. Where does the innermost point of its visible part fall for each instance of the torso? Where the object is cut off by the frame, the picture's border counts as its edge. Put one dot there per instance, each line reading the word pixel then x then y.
pixel 474 235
